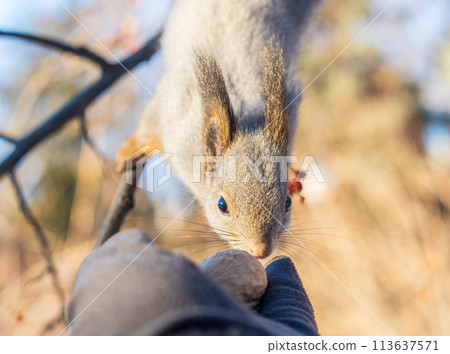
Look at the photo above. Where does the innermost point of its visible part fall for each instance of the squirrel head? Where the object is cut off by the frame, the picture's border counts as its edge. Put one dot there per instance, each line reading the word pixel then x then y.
pixel 247 200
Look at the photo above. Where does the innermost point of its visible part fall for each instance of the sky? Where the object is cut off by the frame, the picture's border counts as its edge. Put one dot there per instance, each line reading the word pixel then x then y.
pixel 408 35
pixel 411 44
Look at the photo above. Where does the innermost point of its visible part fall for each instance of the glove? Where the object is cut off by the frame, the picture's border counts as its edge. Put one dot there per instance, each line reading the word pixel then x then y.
pixel 129 286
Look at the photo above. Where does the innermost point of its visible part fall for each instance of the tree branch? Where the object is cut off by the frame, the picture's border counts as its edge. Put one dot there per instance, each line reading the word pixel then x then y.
pixel 45 250
pixel 59 45
pixel 8 138
pixel 122 203
pixel 91 143
pixel 124 198
pixel 53 323
pixel 76 106
pixel 433 116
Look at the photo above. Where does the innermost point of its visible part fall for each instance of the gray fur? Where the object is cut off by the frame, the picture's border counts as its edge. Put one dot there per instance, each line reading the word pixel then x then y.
pixel 236 33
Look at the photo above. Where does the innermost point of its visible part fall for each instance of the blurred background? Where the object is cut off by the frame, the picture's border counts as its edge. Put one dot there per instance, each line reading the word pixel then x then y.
pixel 376 234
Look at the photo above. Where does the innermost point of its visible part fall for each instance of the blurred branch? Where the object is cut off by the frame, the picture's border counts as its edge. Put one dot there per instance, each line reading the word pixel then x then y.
pixel 53 323
pixel 56 44
pixel 8 138
pixel 76 106
pixel 122 203
pixel 45 250
pixel 90 142
pixel 433 116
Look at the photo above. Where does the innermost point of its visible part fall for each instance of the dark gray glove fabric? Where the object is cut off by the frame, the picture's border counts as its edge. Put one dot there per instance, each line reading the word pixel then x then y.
pixel 129 286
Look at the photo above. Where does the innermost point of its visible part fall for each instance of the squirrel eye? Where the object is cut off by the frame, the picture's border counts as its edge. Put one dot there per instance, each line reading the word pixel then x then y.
pixel 222 204
pixel 288 202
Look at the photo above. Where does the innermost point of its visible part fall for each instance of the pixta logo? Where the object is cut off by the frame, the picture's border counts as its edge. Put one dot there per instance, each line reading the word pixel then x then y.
pixel 146 168
pixel 226 168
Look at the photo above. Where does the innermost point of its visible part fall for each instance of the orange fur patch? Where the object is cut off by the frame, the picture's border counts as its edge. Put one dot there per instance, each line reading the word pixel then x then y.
pixel 131 145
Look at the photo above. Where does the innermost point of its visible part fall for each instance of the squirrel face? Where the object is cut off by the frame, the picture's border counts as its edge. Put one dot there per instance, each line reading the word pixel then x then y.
pixel 248 205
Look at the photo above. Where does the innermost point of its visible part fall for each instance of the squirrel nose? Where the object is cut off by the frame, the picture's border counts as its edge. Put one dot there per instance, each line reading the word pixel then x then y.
pixel 260 251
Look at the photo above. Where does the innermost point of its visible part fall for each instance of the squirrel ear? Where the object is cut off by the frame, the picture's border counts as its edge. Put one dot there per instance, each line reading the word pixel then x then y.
pixel 276 127
pixel 219 125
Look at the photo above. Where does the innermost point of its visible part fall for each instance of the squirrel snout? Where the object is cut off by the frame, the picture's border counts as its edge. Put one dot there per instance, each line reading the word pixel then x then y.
pixel 260 250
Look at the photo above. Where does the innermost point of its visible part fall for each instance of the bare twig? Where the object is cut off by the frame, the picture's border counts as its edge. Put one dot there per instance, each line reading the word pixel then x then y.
pixel 53 323
pixel 59 45
pixel 122 203
pixel 8 138
pixel 45 250
pixel 76 106
pixel 91 143
pixel 123 200
pixel 433 116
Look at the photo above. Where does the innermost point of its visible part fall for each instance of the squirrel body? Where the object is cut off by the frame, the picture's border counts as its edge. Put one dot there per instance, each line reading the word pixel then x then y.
pixel 229 75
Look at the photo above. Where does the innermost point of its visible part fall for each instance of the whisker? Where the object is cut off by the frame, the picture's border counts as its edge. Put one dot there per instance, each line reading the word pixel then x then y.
pixel 192 238
pixel 288 252
pixel 304 222
pixel 318 233
pixel 309 253
pixel 298 257
pixel 307 246
pixel 215 229
pixel 187 232
pixel 320 228
pixel 194 223
pixel 306 238
pixel 205 249
pixel 211 243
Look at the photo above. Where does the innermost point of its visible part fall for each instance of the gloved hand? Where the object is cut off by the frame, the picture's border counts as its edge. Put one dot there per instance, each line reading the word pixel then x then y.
pixel 129 286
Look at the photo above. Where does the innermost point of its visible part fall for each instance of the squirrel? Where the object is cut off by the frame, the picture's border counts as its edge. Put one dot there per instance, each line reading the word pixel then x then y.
pixel 229 90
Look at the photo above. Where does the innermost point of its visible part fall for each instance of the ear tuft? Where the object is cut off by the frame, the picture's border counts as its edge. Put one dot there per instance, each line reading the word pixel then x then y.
pixel 276 127
pixel 219 123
